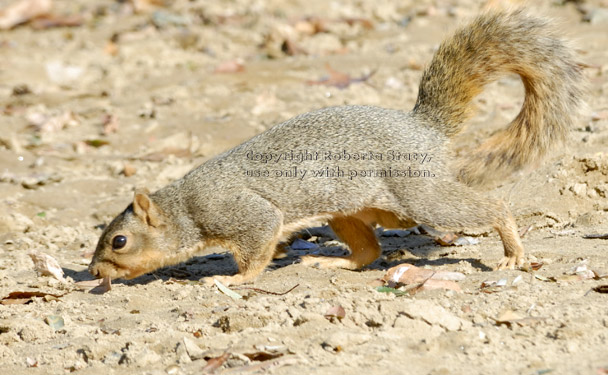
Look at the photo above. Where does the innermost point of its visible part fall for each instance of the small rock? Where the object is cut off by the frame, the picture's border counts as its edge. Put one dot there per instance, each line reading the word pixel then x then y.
pixel 193 350
pixel 435 315
pixel 22 89
pixel 579 189
pixel 597 16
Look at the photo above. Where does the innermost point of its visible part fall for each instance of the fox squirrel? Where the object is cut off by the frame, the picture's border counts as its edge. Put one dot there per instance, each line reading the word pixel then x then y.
pixel 379 166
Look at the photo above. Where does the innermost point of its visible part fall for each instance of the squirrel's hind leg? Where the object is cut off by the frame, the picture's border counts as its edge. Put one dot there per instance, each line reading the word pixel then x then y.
pixel 360 239
pixel 462 207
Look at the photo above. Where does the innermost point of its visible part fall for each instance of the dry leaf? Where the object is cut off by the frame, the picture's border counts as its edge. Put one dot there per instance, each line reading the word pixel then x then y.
pixel 432 284
pixel 410 274
pixel 96 142
pixel 232 66
pixel 601 289
pixel 141 6
pixel 533 266
pixel 22 298
pixel 23 11
pixel 597 236
pixel 600 274
pixel 291 48
pixel 597 116
pixel 46 265
pixel 386 289
pixel 447 239
pixel 336 311
pixel 262 356
pixel 215 363
pixel 367 24
pixel 339 79
pixel 452 239
pixel 52 20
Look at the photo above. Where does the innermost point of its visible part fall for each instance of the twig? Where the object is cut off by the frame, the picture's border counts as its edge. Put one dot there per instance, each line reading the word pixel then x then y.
pixel 266 291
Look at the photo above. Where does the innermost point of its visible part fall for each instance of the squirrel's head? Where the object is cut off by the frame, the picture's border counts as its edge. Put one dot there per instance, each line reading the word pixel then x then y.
pixel 136 242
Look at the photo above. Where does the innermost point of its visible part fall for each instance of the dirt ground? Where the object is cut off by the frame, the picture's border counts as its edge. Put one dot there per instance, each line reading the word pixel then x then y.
pixel 136 95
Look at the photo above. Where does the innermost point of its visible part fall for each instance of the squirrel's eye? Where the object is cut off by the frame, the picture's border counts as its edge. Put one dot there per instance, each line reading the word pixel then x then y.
pixel 119 242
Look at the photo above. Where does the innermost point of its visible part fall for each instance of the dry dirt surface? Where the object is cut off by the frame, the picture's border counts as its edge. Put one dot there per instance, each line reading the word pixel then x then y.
pixel 100 97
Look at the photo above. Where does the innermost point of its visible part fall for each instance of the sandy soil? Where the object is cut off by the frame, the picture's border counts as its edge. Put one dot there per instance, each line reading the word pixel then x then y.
pixel 148 89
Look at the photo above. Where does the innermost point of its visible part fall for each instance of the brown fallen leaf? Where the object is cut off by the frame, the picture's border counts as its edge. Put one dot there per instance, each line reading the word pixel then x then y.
pixel 22 298
pixel 52 20
pixel 291 48
pixel 597 236
pixel 232 66
pixel 23 11
pixel 336 311
pixel 339 79
pixel 46 265
pixel 597 116
pixel 310 26
pixel 215 363
pixel 141 6
pixel 532 266
pixel 600 274
pixel 601 289
pixel 367 24
pixel 262 356
pixel 447 239
pixel 96 142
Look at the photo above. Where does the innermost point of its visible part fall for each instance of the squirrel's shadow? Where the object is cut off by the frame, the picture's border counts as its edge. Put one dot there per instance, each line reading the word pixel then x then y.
pixel 414 249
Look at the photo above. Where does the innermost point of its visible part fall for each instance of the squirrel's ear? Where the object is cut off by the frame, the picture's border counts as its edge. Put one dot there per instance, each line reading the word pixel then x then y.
pixel 145 209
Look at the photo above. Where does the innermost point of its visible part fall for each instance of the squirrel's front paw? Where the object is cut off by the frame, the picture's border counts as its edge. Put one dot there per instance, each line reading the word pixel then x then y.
pixel 510 263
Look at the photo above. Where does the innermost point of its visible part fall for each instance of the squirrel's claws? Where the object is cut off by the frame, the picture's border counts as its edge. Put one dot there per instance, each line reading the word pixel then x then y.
pixel 509 263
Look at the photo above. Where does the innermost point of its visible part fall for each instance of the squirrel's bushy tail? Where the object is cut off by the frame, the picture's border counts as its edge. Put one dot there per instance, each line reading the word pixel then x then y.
pixel 492 45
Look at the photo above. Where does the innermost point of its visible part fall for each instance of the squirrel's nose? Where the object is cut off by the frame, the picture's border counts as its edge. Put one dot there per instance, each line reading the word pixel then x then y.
pixel 93 270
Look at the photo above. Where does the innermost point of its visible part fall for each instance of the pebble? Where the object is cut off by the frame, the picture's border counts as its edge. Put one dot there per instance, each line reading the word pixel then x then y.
pixel 579 189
